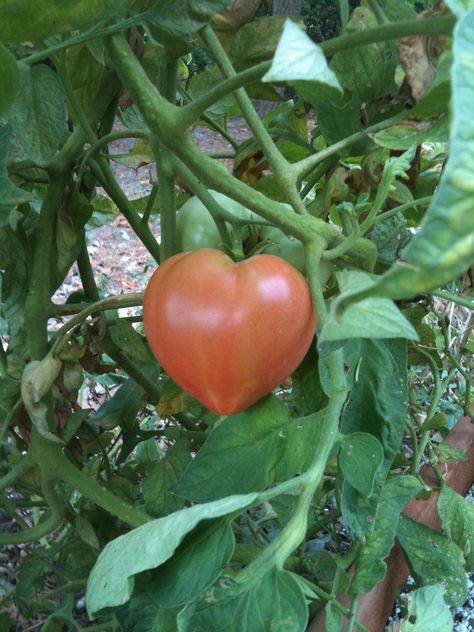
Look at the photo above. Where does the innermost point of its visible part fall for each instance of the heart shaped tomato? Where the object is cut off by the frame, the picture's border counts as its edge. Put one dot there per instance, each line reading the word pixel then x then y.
pixel 228 333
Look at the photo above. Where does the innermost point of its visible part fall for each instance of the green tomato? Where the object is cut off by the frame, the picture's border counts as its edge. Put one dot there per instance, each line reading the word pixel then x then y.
pixel 292 251
pixel 285 247
pixel 195 227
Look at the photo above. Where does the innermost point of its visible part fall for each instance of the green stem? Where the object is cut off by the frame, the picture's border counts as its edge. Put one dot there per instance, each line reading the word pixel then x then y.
pixel 322 169
pixel 19 470
pixel 342 248
pixel 87 275
pixel 102 171
pixel 44 260
pixel 93 33
pixel 195 109
pixel 219 214
pixel 104 141
pixel 440 25
pixel 353 612
pixel 433 463
pixel 307 164
pixel 247 553
pixel 167 190
pixel 90 288
pixel 3 360
pixel 55 464
pixel 328 598
pixel 42 529
pixel 366 225
pixel 149 205
pixel 124 300
pixel 280 166
pixel 167 83
pixel 220 130
pixel 99 495
pixel 379 12
pixel 414 442
pixel 109 183
pixel 459 300
pixel 443 25
pixel 327 518
pixel 210 122
pixel 294 532
pixel 141 378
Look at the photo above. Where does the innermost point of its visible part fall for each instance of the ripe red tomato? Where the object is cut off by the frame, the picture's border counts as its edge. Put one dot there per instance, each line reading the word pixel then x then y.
pixel 228 333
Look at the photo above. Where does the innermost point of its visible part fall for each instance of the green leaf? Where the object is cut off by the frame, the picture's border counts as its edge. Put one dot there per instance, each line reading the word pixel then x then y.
pixel 457 520
pixel 444 246
pixel 14 280
pixel 38 115
pixel 370 565
pixel 140 155
pixel 395 167
pixel 159 499
pixel 366 71
pixel 172 24
pixel 9 395
pixel 81 66
pixel 274 602
pixel 256 41
pixel 202 83
pixel 9 79
pixel 370 318
pixel 297 58
pixel 397 10
pixel 377 405
pixel 130 342
pixel 86 532
pixel 302 438
pixel 142 614
pixel 405 135
pixel 446 453
pixel 10 194
pixel 70 234
pixel 307 394
pixel 239 455
pixel 197 562
pixel 338 114
pixel 23 20
pixel 387 236
pixel 359 459
pixel 148 547
pixel 122 408
pixel 427 611
pixel 343 10
pixel 433 559
pixel 362 255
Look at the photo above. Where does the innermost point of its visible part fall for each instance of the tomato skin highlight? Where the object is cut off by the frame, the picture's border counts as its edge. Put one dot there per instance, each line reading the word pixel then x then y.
pixel 228 333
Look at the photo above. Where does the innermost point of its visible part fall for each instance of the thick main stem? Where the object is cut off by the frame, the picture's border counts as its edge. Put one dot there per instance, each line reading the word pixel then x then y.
pixel 167 82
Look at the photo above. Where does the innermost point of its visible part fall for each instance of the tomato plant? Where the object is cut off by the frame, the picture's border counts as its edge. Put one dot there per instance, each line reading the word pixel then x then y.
pixel 228 333
pixel 231 500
